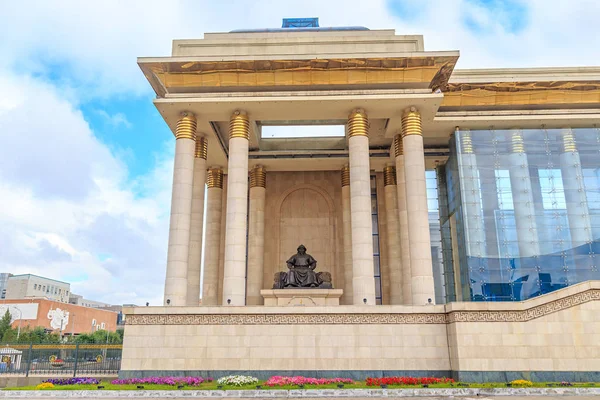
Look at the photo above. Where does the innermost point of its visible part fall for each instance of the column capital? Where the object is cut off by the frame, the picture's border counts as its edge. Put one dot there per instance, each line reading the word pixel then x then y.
pixel 201 147
pixel 411 122
pixel 345 175
pixel 569 145
pixel 358 123
pixel 517 142
pixel 398 145
pixel 214 177
pixel 389 175
pixel 186 126
pixel 466 144
pixel 239 125
pixel 258 177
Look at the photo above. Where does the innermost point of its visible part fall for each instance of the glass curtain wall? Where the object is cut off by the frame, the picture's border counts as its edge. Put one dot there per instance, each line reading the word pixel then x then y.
pixel 523 212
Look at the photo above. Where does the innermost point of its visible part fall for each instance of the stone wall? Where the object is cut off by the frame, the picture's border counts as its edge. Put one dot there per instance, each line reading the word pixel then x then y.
pixel 553 337
pixel 303 208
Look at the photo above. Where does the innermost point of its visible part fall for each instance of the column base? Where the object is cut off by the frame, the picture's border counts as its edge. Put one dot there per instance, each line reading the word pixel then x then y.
pixel 302 297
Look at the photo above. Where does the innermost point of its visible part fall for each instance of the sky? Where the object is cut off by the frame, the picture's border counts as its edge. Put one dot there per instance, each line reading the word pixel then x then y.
pixel 86 160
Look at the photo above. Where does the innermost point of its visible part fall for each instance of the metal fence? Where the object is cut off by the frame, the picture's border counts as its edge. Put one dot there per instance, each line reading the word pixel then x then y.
pixel 60 359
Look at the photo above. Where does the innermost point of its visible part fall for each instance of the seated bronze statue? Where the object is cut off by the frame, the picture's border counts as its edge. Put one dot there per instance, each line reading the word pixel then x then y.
pixel 301 273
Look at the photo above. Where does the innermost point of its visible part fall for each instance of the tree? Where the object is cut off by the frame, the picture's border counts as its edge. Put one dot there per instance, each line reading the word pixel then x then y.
pixel 5 323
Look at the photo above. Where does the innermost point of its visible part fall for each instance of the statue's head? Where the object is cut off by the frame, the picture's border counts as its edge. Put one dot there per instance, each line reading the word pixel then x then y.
pixel 301 249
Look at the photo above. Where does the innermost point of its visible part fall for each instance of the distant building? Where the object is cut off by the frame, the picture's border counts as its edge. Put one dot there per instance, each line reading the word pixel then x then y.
pixel 80 301
pixel 3 281
pixel 62 318
pixel 29 285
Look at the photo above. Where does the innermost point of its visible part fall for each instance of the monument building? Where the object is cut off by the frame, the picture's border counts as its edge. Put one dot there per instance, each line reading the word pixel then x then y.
pixel 435 212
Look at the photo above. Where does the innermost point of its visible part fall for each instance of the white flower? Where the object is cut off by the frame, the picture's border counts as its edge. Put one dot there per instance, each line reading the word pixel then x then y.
pixel 237 380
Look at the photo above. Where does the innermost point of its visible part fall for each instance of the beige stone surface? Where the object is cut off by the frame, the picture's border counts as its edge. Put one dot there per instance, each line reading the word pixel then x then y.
pixel 297 45
pixel 566 340
pixel 421 268
pixel 393 244
pixel 347 246
pixel 256 245
pixel 382 240
pixel 197 220
pixel 554 332
pixel 301 297
pixel 404 241
pixel 179 226
pixel 234 276
pixel 363 282
pixel 210 283
pixel 285 347
pixel 303 208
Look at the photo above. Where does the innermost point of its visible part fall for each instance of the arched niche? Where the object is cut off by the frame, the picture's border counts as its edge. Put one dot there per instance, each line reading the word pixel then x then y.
pixel 305 215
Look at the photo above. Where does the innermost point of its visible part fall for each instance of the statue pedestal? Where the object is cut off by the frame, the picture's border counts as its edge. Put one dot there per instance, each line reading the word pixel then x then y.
pixel 301 297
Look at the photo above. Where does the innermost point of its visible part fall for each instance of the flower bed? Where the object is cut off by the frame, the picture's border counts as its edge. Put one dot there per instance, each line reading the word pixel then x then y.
pixel 44 385
pixel 406 381
pixel 301 380
pixel 237 380
pixel 521 383
pixel 163 380
pixel 72 381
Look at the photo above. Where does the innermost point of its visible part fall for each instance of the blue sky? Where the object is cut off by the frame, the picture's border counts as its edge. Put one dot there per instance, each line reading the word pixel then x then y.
pixel 86 160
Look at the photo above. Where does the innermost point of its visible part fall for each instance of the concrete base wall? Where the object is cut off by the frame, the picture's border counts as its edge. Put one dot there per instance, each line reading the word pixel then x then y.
pixel 553 337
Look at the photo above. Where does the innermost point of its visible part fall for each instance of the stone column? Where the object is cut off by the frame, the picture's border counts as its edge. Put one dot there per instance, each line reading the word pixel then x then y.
pixel 471 192
pixel 393 235
pixel 578 212
pixel 212 243
pixel 403 220
pixel 520 182
pixel 347 236
pixel 421 268
pixel 363 279
pixel 181 212
pixel 256 235
pixel 234 274
pixel 197 220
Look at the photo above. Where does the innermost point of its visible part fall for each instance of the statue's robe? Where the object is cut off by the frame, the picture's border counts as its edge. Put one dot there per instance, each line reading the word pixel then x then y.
pixel 301 271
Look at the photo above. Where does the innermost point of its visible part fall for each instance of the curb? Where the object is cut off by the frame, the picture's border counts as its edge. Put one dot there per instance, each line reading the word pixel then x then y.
pixel 298 393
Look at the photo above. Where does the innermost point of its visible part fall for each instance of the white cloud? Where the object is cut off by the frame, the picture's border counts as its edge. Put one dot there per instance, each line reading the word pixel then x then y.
pixel 64 200
pixel 115 120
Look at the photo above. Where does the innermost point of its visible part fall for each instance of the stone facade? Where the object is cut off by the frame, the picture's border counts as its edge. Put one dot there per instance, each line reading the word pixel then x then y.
pixel 552 337
pixel 398 105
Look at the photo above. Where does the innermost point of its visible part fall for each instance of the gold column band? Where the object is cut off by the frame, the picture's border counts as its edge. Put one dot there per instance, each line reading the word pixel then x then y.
pixel 411 122
pixel 214 178
pixel 186 127
pixel 398 146
pixel 201 147
pixel 345 175
pixel 517 142
pixel 358 123
pixel 466 144
pixel 258 177
pixel 569 142
pixel 239 126
pixel 389 175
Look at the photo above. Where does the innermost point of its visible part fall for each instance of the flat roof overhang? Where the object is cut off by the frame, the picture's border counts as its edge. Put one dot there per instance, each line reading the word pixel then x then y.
pixel 384 106
pixel 173 75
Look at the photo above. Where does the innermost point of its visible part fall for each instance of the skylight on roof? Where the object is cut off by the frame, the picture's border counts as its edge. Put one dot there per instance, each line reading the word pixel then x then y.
pixel 302 131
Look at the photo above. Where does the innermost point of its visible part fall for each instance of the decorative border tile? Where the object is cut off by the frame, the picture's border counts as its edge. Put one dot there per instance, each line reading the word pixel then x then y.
pixel 358 319
pixel 525 315
pixel 284 319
